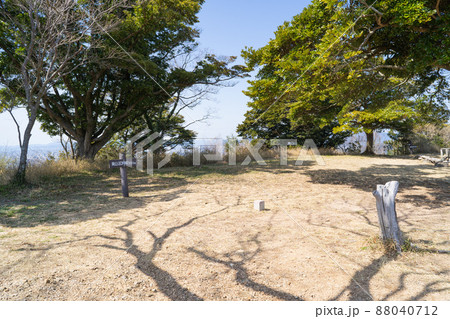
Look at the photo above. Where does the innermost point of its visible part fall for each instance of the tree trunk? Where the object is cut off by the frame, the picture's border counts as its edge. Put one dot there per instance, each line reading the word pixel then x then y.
pixel 369 148
pixel 20 176
pixel 387 216
pixel 72 150
pixel 85 153
pixel 88 151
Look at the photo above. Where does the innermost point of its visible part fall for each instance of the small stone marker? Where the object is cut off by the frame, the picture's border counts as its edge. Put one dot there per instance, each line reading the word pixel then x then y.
pixel 258 205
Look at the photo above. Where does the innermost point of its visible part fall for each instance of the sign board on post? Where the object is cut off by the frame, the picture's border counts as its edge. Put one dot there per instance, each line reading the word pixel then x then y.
pixel 122 163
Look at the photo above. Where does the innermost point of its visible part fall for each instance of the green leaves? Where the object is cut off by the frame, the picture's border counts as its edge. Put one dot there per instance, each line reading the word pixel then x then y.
pixel 9 100
pixel 113 90
pixel 366 67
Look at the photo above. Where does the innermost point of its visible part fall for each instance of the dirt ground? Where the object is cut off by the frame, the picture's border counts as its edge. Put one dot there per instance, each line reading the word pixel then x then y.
pixel 192 234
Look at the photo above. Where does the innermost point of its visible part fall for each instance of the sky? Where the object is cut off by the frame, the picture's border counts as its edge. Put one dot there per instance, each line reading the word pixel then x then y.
pixel 227 27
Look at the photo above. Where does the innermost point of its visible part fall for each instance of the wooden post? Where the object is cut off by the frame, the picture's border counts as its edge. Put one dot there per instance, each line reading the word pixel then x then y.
pixel 122 163
pixel 387 216
pixel 123 176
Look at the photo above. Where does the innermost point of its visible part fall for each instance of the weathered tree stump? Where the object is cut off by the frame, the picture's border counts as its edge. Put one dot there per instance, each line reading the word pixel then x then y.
pixel 387 216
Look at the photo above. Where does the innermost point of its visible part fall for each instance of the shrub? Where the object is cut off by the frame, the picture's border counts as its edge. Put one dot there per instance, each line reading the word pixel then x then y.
pixel 54 168
pixel 426 138
pixel 430 138
pixel 7 168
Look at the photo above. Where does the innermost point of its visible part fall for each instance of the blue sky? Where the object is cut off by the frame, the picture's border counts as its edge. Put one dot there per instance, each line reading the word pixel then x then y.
pixel 227 26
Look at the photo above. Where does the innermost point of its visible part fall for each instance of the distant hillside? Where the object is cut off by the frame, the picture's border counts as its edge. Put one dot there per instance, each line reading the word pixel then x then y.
pixel 36 151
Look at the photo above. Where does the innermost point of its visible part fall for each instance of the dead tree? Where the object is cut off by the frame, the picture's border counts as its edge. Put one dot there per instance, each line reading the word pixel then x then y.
pixel 387 216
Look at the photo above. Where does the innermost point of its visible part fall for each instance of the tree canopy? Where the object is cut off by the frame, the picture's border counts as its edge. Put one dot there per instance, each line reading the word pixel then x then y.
pixel 346 62
pixel 134 60
pixel 38 41
pixel 116 87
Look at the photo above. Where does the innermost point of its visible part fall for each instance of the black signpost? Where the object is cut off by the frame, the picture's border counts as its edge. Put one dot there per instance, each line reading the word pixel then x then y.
pixel 122 164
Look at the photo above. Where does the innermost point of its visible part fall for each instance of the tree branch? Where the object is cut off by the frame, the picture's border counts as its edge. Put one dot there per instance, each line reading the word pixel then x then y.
pixel 19 134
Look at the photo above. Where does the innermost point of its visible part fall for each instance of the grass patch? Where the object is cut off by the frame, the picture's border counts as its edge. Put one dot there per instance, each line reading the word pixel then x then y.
pixel 57 191
pixel 388 247
pixel 9 235
pixel 11 211
pixel 48 170
pixel 15 215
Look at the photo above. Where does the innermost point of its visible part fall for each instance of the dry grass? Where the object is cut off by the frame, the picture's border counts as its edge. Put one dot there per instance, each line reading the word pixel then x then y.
pixel 185 159
pixel 51 169
pixel 45 170
pixel 387 247
pixel 6 169
pixel 192 233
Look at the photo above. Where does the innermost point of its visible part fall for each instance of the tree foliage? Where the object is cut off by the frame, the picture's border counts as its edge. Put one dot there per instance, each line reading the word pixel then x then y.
pixel 347 61
pixel 129 70
pixel 412 35
pixel 111 92
pixel 276 124
pixel 38 40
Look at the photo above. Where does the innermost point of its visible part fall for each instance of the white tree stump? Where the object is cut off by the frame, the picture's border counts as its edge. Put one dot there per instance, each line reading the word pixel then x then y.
pixel 387 216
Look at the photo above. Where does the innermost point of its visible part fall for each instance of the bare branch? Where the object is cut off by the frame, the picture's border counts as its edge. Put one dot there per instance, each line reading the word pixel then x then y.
pixel 378 67
pixel 19 134
pixel 371 7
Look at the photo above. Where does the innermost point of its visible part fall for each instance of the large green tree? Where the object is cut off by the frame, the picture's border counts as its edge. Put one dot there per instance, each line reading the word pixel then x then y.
pixel 412 35
pixel 117 88
pixel 39 39
pixel 276 124
pixel 326 66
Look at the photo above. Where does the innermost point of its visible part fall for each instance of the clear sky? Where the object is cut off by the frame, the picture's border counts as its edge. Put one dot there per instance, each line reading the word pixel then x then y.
pixel 227 26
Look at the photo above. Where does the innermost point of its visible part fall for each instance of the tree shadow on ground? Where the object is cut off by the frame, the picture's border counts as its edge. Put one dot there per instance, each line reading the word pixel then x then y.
pixel 242 275
pixel 358 288
pixel 409 177
pixel 73 199
pixel 428 289
pixel 166 283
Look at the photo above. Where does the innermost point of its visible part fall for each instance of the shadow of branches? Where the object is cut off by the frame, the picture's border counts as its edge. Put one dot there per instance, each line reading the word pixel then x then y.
pixel 73 199
pixel 165 282
pixel 242 276
pixel 409 176
pixel 359 286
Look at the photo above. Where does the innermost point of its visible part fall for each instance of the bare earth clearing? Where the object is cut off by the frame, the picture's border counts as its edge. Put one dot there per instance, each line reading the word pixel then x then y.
pixel 192 234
